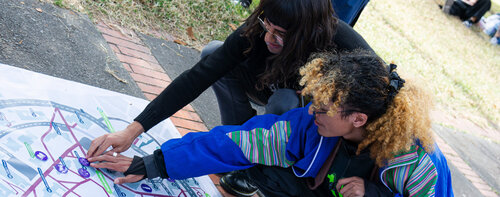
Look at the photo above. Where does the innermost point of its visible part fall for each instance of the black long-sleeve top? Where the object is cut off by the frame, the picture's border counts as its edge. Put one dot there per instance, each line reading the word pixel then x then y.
pixel 191 83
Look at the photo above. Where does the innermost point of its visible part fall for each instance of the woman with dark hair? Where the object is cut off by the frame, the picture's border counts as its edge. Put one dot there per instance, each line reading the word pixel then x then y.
pixel 366 133
pixel 259 62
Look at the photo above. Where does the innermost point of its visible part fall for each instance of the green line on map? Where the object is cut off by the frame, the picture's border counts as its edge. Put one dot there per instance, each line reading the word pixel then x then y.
pixel 103 181
pixel 106 120
pixel 32 154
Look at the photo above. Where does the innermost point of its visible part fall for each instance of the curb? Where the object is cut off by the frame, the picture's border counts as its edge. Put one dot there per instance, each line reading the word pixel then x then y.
pixel 150 77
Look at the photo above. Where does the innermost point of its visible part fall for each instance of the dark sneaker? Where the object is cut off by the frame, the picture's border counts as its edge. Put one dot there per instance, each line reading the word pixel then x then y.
pixel 244 3
pixel 467 23
pixel 237 183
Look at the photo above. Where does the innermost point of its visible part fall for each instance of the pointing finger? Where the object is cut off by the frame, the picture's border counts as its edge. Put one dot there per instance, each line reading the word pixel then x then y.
pixel 94 145
pixel 128 179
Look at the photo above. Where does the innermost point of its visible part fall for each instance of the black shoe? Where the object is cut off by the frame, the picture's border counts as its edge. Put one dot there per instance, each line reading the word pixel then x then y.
pixel 245 3
pixel 237 183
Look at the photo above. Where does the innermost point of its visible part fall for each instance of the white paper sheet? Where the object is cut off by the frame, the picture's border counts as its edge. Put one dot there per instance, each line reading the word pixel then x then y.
pixel 47 117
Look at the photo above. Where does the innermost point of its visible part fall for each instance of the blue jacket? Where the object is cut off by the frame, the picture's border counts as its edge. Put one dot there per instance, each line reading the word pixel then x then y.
pixel 289 140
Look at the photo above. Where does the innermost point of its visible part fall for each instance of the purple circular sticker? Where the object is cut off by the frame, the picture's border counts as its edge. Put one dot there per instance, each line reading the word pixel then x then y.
pixel 61 168
pixel 84 173
pixel 84 161
pixel 146 188
pixel 40 155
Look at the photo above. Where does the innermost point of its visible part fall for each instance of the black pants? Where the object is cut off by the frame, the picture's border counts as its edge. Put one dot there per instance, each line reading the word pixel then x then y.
pixel 465 11
pixel 235 90
pixel 278 181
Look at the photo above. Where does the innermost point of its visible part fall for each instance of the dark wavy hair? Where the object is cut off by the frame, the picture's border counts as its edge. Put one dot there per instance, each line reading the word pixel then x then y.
pixel 310 26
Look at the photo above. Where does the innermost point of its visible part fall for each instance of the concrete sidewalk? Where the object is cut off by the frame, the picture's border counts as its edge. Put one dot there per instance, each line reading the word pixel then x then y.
pixel 65 44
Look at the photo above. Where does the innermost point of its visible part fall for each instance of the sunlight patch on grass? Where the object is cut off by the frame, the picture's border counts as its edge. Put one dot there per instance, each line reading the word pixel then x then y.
pixel 457 64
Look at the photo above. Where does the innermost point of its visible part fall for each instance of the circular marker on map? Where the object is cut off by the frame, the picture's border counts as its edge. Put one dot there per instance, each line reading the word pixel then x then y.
pixel 40 155
pixel 61 168
pixel 84 173
pixel 84 161
pixel 146 188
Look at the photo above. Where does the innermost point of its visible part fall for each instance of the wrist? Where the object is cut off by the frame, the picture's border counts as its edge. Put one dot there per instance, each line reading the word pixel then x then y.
pixel 134 129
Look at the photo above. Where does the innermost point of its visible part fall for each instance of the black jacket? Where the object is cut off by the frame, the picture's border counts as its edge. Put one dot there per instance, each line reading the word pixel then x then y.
pixel 191 83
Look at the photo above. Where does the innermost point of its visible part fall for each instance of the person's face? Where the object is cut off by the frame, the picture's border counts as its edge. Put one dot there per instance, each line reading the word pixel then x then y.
pixel 274 36
pixel 332 126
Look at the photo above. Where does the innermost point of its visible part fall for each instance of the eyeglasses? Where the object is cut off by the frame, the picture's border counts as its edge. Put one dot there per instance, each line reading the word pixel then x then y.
pixel 319 112
pixel 265 26
pixel 342 111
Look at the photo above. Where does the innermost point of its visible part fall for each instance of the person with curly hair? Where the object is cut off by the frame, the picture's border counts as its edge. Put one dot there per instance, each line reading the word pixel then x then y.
pixel 259 63
pixel 366 133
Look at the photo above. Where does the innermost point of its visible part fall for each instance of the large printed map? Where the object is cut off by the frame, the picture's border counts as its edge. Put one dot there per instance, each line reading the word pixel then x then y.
pixel 46 127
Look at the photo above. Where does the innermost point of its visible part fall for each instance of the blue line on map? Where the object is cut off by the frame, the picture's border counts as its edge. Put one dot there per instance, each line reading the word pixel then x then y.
pixel 44 181
pixel 119 192
pixel 7 169
pixel 33 113
pixel 79 117
pixel 62 161
pixel 154 185
pixel 78 157
pixel 56 128
pixel 166 189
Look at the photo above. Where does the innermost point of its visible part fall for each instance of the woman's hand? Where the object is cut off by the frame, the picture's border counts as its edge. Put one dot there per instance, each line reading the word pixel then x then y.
pixel 119 141
pixel 351 187
pixel 118 163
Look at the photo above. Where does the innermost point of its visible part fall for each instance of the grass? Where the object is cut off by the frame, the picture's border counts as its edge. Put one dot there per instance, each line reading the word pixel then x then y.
pixel 209 19
pixel 458 65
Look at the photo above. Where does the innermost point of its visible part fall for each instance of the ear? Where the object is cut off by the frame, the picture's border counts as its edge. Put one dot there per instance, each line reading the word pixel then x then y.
pixel 358 119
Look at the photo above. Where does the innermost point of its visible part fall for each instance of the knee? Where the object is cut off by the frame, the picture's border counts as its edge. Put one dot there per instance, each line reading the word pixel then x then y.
pixel 281 101
pixel 210 48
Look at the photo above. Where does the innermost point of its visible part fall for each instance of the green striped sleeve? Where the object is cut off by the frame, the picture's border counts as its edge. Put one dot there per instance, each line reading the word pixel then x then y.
pixel 262 146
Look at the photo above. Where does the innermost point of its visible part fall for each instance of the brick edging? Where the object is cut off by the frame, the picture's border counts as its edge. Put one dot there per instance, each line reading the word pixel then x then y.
pixel 150 77
pixel 146 72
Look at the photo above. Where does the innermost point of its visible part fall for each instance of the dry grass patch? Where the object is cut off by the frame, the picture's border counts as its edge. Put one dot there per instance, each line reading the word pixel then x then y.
pixel 458 64
pixel 209 19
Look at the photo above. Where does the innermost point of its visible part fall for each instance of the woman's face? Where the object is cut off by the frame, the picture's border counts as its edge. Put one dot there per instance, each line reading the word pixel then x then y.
pixel 336 126
pixel 274 37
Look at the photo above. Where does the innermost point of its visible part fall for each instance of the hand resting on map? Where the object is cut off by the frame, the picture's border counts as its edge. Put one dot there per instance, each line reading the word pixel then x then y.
pixel 118 163
pixel 119 141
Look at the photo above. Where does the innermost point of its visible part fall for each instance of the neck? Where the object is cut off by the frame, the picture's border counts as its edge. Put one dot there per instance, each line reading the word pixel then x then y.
pixel 356 135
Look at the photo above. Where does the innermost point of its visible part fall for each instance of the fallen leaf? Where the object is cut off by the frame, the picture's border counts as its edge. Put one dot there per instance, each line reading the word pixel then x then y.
pixel 39 9
pixel 22 2
pixel 20 42
pixel 112 72
pixel 233 27
pixel 180 42
pixel 190 33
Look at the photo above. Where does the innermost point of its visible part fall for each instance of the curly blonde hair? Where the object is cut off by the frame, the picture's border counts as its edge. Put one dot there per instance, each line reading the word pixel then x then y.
pixel 358 82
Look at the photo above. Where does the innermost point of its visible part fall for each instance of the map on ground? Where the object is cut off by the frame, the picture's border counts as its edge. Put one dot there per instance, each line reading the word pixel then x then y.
pixel 46 127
